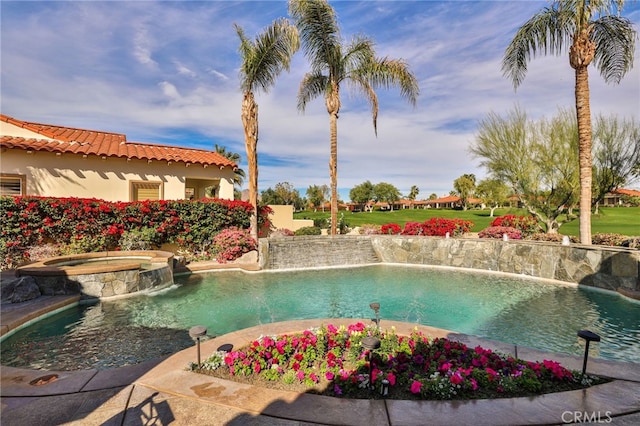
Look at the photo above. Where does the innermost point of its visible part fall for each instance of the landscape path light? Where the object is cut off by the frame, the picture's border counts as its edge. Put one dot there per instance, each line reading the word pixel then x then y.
pixel 589 337
pixel 196 333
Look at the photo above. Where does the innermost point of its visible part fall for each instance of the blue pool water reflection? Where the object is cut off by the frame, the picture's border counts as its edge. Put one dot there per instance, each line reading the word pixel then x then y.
pixel 511 309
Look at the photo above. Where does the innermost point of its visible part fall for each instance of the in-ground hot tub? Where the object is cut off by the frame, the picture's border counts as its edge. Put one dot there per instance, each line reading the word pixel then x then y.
pixel 102 274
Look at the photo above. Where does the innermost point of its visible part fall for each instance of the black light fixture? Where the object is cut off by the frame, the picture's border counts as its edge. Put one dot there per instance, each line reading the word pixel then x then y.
pixel 376 309
pixel 589 337
pixel 370 343
pixel 196 333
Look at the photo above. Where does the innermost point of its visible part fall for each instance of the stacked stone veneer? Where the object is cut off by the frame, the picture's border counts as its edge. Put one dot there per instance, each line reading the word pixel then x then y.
pixel 106 284
pixel 313 252
pixel 597 266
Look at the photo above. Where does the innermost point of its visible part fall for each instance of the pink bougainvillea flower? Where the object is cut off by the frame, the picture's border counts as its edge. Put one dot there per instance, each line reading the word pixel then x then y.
pixel 416 386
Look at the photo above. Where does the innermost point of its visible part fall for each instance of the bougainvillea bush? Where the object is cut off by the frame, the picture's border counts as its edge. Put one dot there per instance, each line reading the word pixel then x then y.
pixel 332 361
pixel 438 227
pixel 526 224
pixel 500 232
pixel 79 224
pixel 231 243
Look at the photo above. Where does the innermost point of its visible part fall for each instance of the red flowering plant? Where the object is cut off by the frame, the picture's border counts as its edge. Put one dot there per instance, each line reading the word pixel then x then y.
pixel 231 243
pixel 390 229
pixel 438 227
pixel 498 232
pixel 331 360
pixel 80 224
pixel 526 224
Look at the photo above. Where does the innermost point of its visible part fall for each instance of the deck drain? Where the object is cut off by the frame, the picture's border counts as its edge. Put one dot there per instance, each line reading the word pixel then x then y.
pixel 43 380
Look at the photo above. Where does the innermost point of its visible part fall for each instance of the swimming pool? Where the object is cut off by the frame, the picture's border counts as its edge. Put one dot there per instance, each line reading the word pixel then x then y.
pixel 511 309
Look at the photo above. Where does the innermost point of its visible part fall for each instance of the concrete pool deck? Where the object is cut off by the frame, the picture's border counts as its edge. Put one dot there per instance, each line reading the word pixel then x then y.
pixel 162 392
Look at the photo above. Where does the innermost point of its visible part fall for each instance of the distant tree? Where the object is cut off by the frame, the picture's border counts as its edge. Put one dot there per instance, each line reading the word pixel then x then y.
pixel 433 196
pixel 262 61
pixel 335 63
pixel 238 174
pixel 538 160
pixel 465 186
pixel 590 31
pixel 363 193
pixel 413 193
pixel 282 194
pixel 317 195
pixel 493 192
pixel 386 192
pixel 616 155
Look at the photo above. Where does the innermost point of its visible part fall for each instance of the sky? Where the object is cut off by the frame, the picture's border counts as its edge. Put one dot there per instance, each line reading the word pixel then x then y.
pixel 167 72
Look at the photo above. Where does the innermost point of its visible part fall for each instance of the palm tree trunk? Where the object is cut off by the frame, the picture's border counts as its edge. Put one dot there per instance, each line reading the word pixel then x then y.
pixel 333 107
pixel 250 123
pixel 583 111
pixel 333 171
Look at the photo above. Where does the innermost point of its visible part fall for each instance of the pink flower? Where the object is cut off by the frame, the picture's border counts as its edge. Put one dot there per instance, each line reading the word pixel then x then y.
pixel 329 375
pixel 300 375
pixel 391 378
pixel 415 386
pixel 456 378
pixel 474 384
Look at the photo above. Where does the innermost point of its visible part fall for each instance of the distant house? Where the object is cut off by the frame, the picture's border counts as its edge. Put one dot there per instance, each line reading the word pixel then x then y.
pixel 616 197
pixel 57 161
pixel 451 202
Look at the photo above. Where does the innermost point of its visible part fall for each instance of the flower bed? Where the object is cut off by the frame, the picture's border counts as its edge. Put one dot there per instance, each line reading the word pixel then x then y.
pixel 332 361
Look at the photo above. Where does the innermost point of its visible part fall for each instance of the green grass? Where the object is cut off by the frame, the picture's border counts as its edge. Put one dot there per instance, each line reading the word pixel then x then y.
pixel 617 220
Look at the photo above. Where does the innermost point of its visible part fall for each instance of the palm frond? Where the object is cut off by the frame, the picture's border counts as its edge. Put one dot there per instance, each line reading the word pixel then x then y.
pixel 318 27
pixel 312 86
pixel 615 40
pixel 389 73
pixel 548 32
pixel 266 57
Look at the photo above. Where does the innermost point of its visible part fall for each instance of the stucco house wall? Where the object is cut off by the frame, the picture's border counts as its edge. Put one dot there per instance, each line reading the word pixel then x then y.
pixel 69 175
pixel 58 167
pixel 282 218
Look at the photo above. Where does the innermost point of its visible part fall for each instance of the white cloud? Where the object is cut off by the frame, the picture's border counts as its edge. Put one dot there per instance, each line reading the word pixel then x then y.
pixel 167 72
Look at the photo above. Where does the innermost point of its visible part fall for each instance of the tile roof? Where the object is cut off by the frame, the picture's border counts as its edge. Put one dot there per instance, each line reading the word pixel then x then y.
pixel 629 192
pixel 104 144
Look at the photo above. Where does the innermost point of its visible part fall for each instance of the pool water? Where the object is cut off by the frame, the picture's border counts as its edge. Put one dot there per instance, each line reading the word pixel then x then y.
pixel 511 309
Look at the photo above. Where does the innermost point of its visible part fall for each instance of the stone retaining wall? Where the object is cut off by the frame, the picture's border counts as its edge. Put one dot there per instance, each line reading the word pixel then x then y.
pixel 597 266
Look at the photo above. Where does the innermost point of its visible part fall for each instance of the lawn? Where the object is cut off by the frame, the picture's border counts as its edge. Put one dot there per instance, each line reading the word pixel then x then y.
pixel 618 220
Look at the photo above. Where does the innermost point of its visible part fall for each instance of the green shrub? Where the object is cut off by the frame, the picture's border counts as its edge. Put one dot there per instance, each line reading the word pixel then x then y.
pixel 308 230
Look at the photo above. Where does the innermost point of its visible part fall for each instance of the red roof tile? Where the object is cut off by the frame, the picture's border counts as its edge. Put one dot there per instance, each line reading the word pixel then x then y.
pixel 628 192
pixel 105 144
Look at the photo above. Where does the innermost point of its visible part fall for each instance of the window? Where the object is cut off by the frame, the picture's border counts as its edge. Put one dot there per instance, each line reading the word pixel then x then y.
pixel 12 184
pixel 141 191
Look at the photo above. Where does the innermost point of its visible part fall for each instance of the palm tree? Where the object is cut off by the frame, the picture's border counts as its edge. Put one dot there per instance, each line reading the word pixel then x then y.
pixel 238 174
pixel 262 61
pixel 332 63
pixel 590 32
